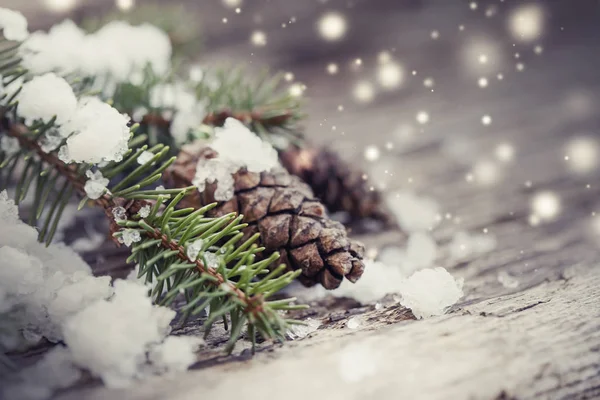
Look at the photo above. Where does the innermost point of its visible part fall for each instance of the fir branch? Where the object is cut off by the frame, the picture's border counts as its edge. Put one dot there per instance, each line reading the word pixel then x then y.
pixel 234 289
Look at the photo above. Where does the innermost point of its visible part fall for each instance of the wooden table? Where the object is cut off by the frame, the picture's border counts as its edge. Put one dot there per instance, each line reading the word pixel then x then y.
pixel 538 340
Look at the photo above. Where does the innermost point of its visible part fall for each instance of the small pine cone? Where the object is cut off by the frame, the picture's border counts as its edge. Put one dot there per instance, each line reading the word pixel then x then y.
pixel 338 185
pixel 289 219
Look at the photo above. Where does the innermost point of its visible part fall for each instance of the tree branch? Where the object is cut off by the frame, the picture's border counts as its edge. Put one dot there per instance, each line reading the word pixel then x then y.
pixel 253 304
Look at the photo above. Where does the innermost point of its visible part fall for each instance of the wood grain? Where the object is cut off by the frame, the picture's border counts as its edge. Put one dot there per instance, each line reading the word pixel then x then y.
pixel 539 340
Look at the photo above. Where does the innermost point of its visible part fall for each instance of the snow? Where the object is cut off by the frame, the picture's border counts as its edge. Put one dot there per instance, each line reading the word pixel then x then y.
pixel 377 281
pixel 354 323
pixel 145 211
pixel 175 96
pixel 51 140
pixel 118 50
pixel 414 213
pixel 13 25
pixel 45 97
pixel 421 250
pixel 96 132
pixel 130 236
pixel 430 292
pixel 145 157
pixel 110 338
pixel 175 354
pixel 9 145
pixel 237 148
pixel 96 184
pixel 184 122
pixel 180 98
pixel 119 214
pixel 194 248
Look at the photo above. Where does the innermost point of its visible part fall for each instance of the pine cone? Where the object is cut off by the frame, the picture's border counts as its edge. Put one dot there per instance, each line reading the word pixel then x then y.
pixel 339 186
pixel 289 219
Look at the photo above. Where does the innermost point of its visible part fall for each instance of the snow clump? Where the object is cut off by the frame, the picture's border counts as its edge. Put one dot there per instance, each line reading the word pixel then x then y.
pixel 118 51
pixel 237 148
pixel 13 25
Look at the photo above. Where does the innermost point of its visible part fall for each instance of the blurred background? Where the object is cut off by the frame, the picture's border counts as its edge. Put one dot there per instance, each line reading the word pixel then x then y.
pixel 487 106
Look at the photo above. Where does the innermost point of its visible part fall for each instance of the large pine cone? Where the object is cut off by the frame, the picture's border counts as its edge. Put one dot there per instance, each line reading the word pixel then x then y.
pixel 285 212
pixel 338 185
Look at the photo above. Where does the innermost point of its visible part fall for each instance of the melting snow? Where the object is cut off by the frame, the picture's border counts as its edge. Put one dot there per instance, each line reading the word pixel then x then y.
pixel 237 148
pixel 430 292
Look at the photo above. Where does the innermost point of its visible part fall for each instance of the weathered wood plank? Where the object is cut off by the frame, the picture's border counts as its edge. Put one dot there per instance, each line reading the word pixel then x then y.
pixel 539 340
pixel 542 343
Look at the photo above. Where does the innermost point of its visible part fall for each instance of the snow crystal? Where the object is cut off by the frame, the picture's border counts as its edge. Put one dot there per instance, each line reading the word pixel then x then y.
pixel 45 97
pixel 212 260
pixel 145 157
pixel 95 186
pixel 130 236
pixel 36 281
pixel 97 132
pixel 145 211
pixel 118 50
pixel 301 331
pixel 175 354
pixel 9 145
pixel 119 213
pixel 117 354
pixel 430 292
pixel 413 213
pixel 13 25
pixel 464 245
pixel 77 296
pixel 51 140
pixel 194 248
pixel 237 148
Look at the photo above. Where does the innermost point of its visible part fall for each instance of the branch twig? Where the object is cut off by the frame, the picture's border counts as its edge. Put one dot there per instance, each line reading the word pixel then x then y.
pixel 253 304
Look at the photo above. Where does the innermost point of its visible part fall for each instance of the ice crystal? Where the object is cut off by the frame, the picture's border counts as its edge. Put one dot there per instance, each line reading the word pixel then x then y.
pixel 95 186
pixel 430 292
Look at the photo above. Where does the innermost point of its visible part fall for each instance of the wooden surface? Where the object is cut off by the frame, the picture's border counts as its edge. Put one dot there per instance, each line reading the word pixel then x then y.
pixel 539 340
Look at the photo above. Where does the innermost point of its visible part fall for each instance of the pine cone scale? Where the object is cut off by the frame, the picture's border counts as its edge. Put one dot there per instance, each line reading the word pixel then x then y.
pixel 283 210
